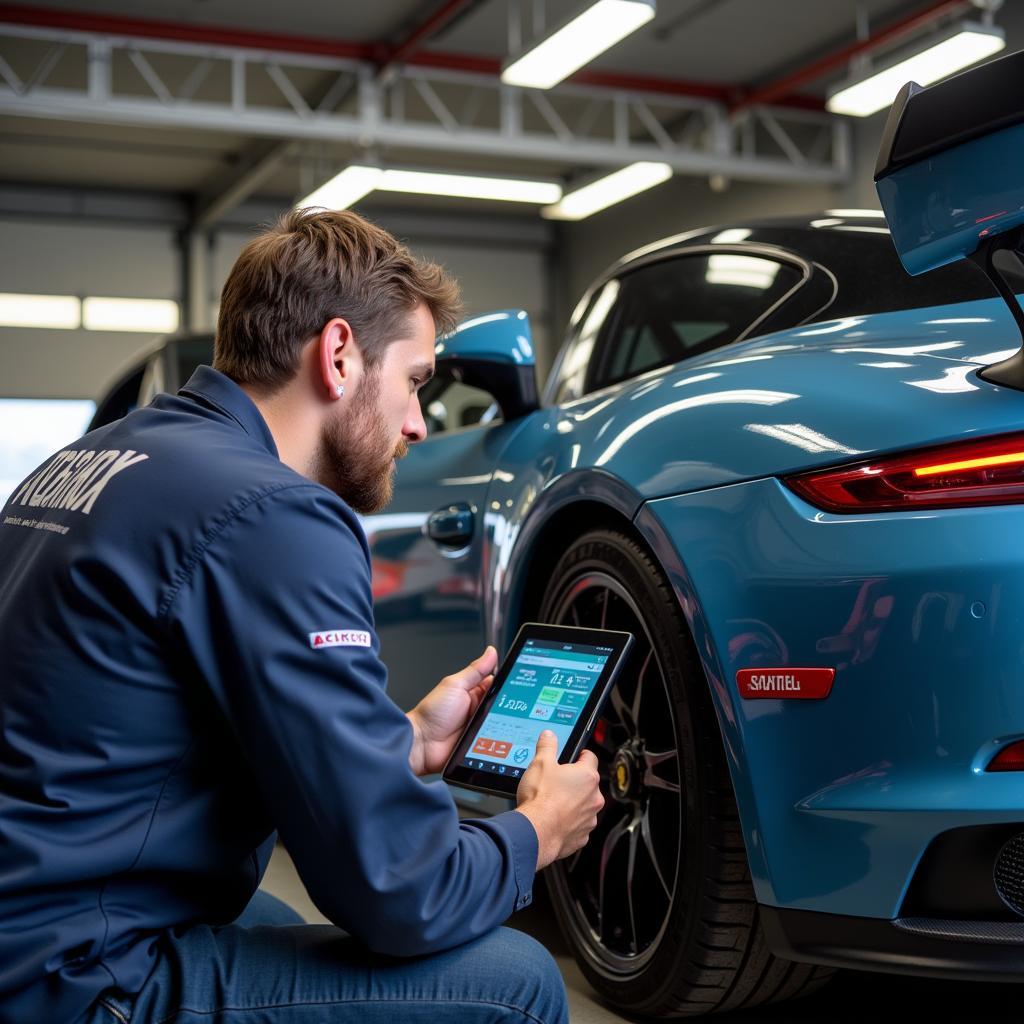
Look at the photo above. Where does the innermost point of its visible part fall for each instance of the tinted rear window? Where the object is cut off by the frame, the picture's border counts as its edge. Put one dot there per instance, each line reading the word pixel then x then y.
pixel 870 275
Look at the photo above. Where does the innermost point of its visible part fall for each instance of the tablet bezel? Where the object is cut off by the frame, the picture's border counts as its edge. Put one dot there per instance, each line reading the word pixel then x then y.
pixel 458 774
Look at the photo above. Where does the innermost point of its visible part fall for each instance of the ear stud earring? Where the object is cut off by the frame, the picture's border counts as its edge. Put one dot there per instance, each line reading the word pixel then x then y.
pixel 340 390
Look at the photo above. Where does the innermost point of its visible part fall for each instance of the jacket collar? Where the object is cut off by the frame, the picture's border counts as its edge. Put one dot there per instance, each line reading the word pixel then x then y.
pixel 220 391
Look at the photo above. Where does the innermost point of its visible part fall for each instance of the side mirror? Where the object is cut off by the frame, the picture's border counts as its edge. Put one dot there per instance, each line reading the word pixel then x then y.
pixel 494 352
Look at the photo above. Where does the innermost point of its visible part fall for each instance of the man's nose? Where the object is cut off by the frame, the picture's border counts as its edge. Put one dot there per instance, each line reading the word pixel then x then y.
pixel 414 429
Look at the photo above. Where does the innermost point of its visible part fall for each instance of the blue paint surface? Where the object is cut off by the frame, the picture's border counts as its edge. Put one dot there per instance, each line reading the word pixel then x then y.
pixel 500 337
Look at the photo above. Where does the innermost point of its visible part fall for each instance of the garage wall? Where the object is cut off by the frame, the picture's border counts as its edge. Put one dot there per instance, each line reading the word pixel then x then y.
pixel 48 257
pixel 499 262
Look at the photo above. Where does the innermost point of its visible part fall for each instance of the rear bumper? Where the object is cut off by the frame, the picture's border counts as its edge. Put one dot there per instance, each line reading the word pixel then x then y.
pixel 965 950
pixel 921 617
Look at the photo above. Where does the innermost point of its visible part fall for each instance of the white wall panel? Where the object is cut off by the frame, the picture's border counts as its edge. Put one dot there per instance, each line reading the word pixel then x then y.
pixel 64 364
pixel 145 262
pixel 47 257
pixel 88 259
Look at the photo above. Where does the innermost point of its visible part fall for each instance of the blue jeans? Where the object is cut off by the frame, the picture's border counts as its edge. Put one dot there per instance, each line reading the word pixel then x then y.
pixel 270 968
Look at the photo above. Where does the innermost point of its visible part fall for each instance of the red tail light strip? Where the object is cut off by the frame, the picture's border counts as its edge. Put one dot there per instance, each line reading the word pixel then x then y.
pixel 952 467
pixel 988 471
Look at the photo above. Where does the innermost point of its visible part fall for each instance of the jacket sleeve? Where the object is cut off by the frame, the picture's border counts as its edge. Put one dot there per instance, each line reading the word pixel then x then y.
pixel 382 853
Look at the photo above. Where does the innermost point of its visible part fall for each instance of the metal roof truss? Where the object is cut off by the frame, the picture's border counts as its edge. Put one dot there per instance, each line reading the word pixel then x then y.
pixel 103 79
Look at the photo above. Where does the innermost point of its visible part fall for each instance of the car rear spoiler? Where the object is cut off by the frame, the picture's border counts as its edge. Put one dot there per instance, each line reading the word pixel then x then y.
pixel 950 177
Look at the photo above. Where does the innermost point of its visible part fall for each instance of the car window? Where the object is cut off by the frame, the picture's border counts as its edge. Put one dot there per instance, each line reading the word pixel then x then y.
pixel 449 404
pixel 667 311
pixel 574 361
pixel 120 400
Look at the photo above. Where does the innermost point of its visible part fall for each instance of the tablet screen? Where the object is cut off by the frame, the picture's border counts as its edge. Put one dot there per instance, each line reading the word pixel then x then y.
pixel 547 687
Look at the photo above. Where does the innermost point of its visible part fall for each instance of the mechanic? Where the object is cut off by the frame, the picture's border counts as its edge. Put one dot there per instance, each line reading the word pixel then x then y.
pixel 190 668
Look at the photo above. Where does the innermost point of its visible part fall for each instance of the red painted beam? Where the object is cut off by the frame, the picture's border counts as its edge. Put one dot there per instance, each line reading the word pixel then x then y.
pixel 609 80
pixel 430 27
pixel 789 84
pixel 146 28
pixel 605 79
pixel 456 62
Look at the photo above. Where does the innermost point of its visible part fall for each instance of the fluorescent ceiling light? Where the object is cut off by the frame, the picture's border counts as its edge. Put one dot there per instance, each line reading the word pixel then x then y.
pixel 607 191
pixel 855 213
pixel 62 312
pixel 567 49
pixel 344 189
pixel 965 45
pixel 159 316
pixel 358 180
pixel 468 186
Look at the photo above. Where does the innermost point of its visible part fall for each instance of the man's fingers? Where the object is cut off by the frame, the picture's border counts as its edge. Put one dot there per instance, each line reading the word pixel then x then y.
pixel 547 743
pixel 487 662
pixel 477 694
pixel 477 670
pixel 589 758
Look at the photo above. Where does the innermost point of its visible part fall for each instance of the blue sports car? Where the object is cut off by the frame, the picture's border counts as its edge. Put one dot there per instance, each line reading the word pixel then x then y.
pixel 794 473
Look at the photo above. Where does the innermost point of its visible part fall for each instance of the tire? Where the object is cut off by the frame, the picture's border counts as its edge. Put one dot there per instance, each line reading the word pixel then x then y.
pixel 658 908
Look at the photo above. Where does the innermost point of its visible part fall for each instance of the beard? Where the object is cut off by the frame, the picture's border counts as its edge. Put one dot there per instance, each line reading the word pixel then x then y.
pixel 356 456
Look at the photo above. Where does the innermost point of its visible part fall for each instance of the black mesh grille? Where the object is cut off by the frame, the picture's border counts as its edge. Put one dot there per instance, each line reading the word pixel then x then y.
pixel 1008 873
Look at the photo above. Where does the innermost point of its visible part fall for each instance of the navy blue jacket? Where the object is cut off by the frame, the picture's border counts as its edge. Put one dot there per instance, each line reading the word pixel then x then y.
pixel 187 664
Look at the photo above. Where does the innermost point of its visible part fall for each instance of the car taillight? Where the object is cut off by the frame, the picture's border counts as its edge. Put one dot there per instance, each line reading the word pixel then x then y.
pixel 989 471
pixel 1009 759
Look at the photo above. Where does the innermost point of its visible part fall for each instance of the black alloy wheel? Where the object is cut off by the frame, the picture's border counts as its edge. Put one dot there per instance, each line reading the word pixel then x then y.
pixel 658 907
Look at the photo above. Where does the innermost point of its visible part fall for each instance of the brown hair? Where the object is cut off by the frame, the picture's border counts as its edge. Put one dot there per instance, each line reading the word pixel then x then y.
pixel 314 265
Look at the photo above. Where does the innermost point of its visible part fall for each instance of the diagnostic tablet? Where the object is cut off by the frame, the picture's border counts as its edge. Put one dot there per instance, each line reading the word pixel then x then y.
pixel 554 677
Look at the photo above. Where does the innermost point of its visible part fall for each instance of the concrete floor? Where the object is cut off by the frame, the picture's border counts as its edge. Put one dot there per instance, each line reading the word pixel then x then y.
pixel 854 997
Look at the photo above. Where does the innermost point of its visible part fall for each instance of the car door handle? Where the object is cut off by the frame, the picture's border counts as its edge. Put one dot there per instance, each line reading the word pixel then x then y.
pixel 451 526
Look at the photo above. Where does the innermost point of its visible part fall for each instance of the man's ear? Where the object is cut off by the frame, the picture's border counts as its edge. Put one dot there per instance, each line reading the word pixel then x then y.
pixel 339 360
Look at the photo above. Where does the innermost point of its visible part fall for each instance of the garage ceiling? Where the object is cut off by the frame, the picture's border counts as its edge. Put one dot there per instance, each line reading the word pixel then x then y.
pixel 686 68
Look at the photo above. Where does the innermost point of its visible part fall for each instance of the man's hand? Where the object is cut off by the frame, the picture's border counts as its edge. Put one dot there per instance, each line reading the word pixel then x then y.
pixel 438 719
pixel 562 801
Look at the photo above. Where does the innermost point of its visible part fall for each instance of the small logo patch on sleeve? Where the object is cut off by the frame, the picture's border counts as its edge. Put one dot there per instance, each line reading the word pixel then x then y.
pixel 340 638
